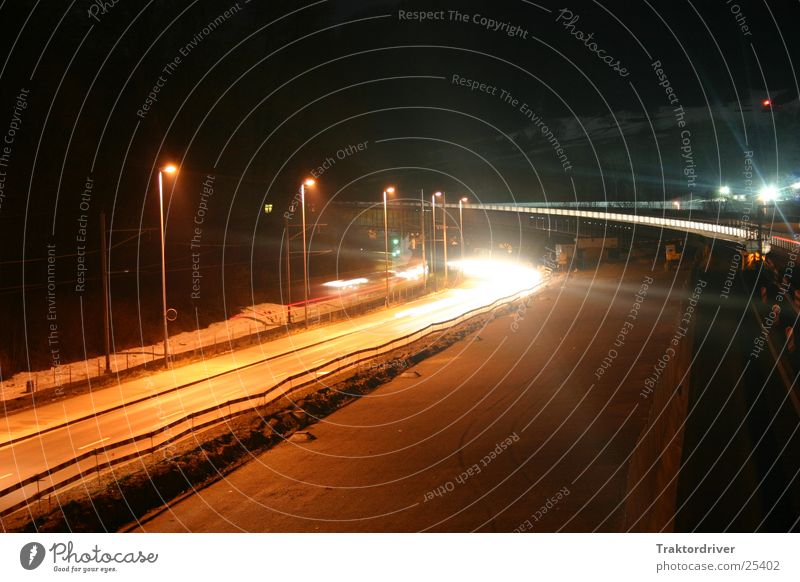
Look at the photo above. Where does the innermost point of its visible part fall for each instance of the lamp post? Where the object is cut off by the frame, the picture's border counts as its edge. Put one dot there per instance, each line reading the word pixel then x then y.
pixel 388 190
pixel 169 169
pixel 422 236
pixel 433 242
pixel 444 234
pixel 461 229
pixel 309 182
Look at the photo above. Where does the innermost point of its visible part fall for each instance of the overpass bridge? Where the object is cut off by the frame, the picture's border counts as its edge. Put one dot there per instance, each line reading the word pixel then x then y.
pixel 737 223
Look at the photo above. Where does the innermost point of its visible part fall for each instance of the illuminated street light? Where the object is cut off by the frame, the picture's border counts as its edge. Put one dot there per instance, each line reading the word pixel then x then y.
pixel 461 227
pixel 444 233
pixel 306 183
pixel 768 193
pixel 796 186
pixel 168 169
pixel 389 190
pixel 725 191
pixel 422 235
pixel 433 242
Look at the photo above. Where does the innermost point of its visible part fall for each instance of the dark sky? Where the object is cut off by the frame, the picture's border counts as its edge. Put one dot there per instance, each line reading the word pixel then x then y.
pixel 270 91
pixel 259 94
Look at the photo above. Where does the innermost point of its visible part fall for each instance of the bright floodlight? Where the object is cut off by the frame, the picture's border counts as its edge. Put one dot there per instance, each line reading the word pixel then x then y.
pixel 465 199
pixel 309 182
pixel 169 169
pixel 725 190
pixel 796 186
pixel 390 189
pixel 437 193
pixel 768 193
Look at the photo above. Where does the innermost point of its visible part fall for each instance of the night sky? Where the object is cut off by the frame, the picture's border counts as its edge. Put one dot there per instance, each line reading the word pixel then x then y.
pixel 499 101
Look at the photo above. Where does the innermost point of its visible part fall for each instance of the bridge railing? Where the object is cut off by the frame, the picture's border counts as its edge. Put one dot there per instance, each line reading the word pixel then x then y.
pixel 705 217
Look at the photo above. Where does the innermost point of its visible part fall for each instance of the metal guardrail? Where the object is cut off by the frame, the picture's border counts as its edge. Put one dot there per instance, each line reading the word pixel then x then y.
pixel 244 404
pixel 145 358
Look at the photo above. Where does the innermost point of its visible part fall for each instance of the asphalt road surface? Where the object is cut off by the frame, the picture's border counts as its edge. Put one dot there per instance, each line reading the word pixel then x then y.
pixel 507 429
pixel 136 407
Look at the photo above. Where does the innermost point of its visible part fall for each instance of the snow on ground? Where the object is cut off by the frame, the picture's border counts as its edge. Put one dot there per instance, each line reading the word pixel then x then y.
pixel 252 319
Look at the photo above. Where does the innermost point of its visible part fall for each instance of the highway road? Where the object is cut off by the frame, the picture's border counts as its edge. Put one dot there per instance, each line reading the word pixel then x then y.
pixel 509 429
pixel 35 440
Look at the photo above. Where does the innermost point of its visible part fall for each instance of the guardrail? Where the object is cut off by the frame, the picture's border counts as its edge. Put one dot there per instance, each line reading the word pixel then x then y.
pixel 234 408
pixel 234 335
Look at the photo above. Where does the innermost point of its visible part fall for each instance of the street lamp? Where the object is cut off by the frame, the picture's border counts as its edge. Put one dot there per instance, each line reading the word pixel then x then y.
pixel 433 242
pixel 422 236
pixel 308 182
pixel 725 190
pixel 444 232
pixel 389 190
pixel 168 169
pixel 461 228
